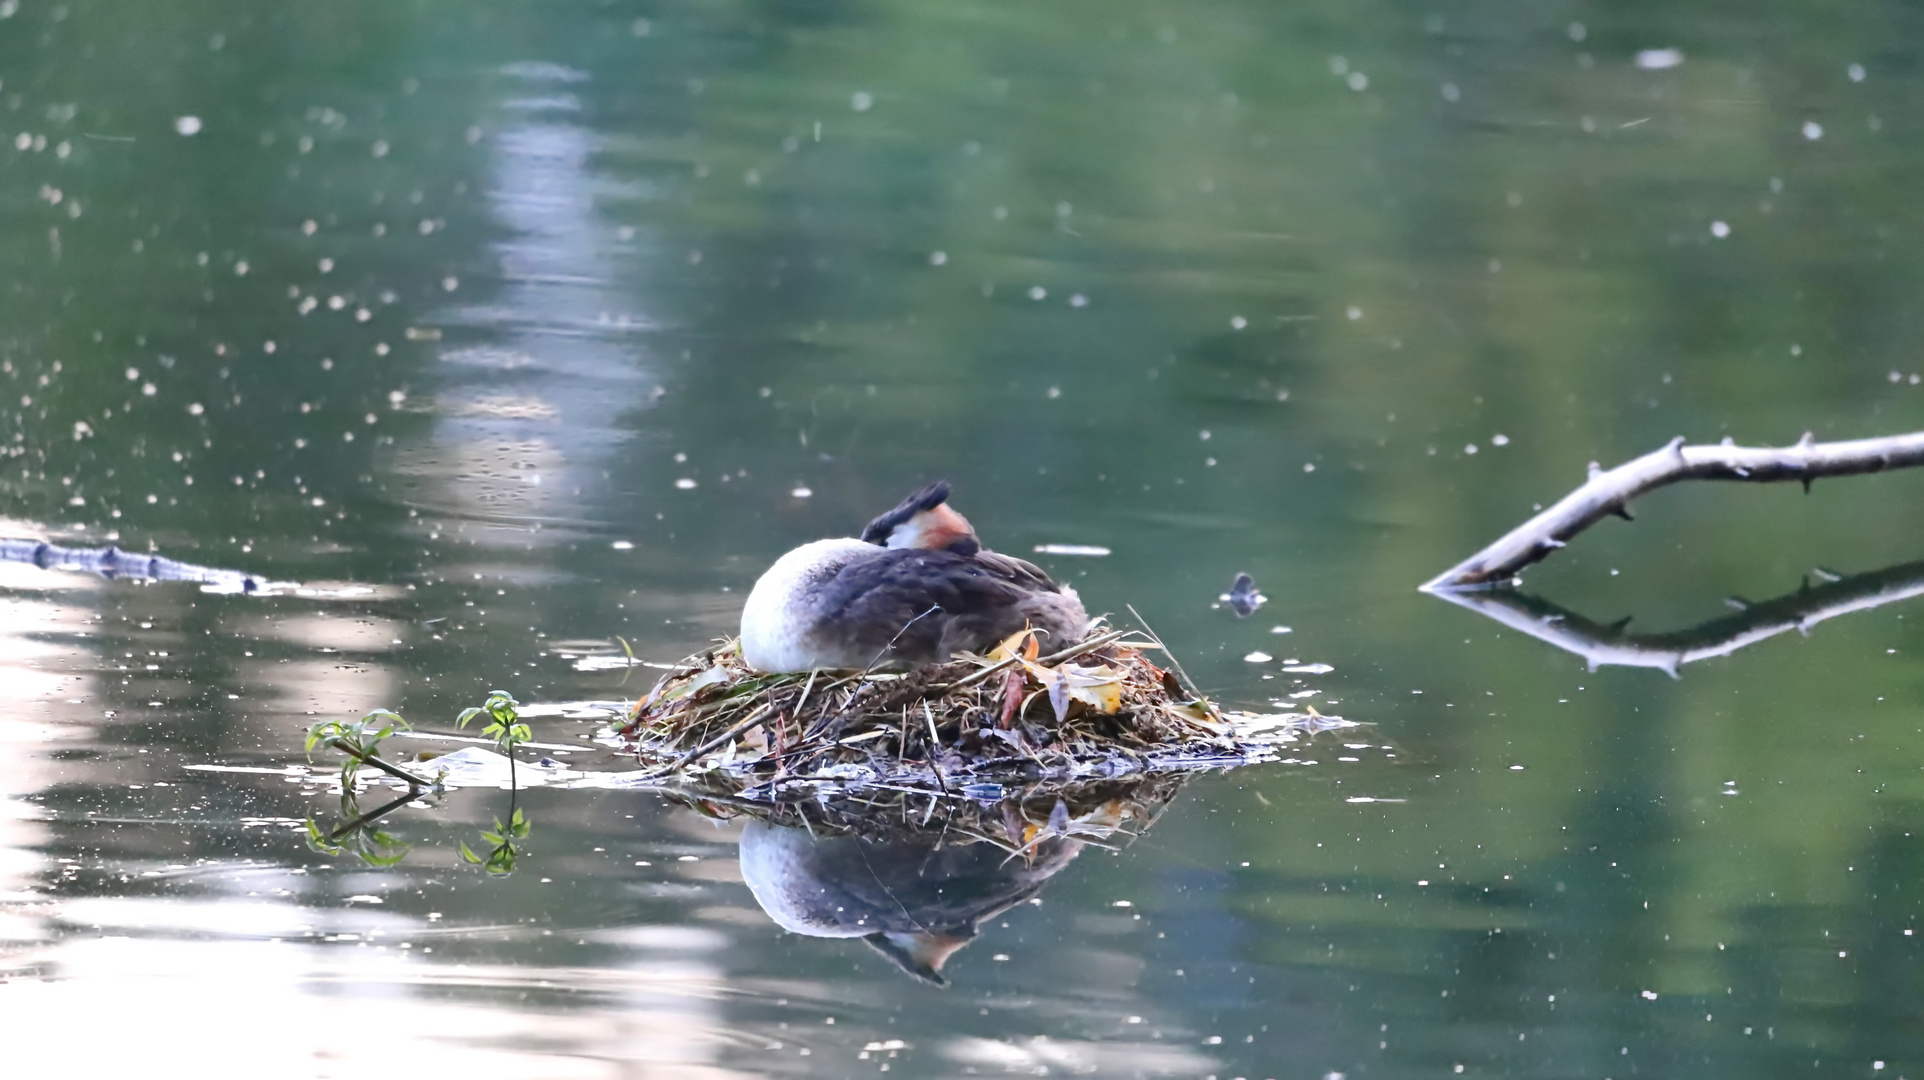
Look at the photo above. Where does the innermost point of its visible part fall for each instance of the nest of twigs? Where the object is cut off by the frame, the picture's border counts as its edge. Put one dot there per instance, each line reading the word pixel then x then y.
pixel 1101 708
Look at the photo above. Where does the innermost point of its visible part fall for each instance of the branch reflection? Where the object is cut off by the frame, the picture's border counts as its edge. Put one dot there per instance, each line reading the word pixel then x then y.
pixel 358 832
pixel 1600 644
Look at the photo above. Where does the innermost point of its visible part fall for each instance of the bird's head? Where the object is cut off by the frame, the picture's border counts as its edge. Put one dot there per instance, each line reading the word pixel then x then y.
pixel 924 520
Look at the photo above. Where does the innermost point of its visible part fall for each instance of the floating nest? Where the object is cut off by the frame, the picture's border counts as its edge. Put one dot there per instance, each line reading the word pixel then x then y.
pixel 1018 819
pixel 973 726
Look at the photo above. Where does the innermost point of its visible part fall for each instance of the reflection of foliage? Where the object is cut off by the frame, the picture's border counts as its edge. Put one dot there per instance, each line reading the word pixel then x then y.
pixel 375 847
pixel 500 859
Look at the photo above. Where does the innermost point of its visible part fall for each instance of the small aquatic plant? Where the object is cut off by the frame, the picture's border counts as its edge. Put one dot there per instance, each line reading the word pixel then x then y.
pixel 360 740
pixel 508 731
pixel 504 724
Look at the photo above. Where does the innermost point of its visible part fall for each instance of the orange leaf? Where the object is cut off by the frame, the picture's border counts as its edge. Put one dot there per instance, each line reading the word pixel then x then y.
pixel 1010 646
pixel 1012 685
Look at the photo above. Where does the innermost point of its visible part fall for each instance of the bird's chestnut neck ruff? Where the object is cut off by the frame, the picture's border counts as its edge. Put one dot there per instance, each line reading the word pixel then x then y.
pixel 936 529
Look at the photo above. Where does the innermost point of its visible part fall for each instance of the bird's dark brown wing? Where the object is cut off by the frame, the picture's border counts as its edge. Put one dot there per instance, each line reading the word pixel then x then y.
pixel 908 603
pixel 1020 572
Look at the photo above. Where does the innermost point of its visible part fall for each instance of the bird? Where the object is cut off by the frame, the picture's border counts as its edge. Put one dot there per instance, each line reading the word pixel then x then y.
pixel 1243 596
pixel 916 588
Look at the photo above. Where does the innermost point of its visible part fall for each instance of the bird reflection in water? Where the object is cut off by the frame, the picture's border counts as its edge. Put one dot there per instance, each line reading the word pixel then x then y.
pixel 918 890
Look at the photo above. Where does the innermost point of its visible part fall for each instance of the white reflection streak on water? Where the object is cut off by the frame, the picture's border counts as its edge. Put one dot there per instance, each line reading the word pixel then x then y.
pixel 290 1009
pixel 346 681
pixel 52 699
pixel 527 421
pixel 1041 1055
pixel 286 990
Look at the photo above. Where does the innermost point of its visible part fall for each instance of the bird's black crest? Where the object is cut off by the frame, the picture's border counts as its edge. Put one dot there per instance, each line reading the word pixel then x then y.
pixel 927 498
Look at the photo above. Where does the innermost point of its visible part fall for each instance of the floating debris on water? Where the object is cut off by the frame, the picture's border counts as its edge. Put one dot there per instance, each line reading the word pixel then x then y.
pixel 112 562
pixel 1091 550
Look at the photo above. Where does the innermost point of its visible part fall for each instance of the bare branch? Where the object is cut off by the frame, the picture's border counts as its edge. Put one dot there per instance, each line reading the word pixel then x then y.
pixel 1601 644
pixel 1610 492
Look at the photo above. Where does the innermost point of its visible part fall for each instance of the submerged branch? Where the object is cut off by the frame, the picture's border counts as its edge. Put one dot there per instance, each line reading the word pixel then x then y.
pixel 1610 492
pixel 111 562
pixel 1601 644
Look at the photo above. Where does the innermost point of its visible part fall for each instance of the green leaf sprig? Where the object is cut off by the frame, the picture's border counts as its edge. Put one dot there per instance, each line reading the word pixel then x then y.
pixel 360 740
pixel 504 725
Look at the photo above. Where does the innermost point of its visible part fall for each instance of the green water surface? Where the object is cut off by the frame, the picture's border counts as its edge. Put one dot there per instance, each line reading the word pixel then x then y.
pixel 515 328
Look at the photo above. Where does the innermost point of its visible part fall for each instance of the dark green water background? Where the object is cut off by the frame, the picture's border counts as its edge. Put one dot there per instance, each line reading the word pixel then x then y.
pixel 451 302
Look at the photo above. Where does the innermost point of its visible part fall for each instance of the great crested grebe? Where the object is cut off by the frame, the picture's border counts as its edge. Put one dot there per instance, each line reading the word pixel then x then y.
pixel 915 589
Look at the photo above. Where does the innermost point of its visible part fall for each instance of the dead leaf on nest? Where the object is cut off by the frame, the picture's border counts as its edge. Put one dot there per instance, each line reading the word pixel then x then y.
pixel 1019 645
pixel 1012 686
pixel 1099 687
pixel 1059 697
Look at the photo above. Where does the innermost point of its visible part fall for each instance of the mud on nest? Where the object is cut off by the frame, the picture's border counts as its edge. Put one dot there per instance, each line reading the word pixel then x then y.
pixel 1101 708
